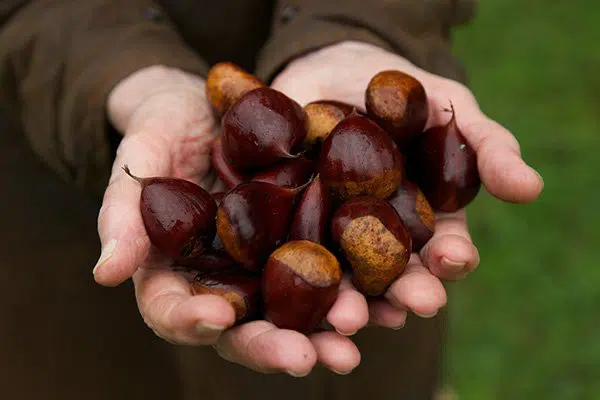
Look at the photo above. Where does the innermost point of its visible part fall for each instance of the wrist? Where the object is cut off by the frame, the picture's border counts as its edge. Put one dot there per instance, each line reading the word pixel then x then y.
pixel 130 93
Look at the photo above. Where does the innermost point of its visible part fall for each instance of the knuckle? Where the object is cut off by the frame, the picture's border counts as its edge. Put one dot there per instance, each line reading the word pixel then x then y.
pixel 105 212
pixel 456 91
pixel 492 143
pixel 156 311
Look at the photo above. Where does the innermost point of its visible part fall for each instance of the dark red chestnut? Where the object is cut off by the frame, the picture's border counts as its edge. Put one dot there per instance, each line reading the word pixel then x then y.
pixel 359 158
pixel 226 173
pixel 374 241
pixel 226 83
pixel 416 213
pixel 290 173
pixel 312 215
pixel 241 289
pixel 398 102
pixel 322 116
pixel 261 128
pixel 218 197
pixel 300 284
pixel 444 166
pixel 253 220
pixel 214 259
pixel 179 216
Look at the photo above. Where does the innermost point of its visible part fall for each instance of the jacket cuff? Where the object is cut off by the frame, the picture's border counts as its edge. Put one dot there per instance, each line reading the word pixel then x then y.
pixel 305 35
pixel 417 31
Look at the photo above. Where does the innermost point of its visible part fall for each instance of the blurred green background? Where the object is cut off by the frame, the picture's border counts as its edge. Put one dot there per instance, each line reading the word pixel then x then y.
pixel 525 325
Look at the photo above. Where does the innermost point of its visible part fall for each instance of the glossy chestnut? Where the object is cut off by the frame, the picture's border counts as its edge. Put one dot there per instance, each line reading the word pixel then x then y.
pixel 290 173
pixel 212 260
pixel 415 212
pixel 300 284
pixel 374 241
pixel 241 289
pixel 397 101
pixel 178 215
pixel 359 158
pixel 444 166
pixel 230 176
pixel 264 126
pixel 312 215
pixel 253 220
pixel 226 83
pixel 322 116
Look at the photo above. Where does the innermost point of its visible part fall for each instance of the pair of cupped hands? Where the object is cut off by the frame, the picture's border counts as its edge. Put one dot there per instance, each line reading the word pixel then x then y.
pixel 168 129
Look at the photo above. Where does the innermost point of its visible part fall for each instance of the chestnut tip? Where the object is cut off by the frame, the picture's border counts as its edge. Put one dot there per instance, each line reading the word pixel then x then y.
pixel 128 172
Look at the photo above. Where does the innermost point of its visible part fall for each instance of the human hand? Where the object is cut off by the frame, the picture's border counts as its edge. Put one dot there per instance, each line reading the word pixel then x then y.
pixel 342 72
pixel 168 131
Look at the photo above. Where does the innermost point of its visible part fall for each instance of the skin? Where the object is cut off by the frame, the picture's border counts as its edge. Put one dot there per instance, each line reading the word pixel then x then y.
pixel 168 128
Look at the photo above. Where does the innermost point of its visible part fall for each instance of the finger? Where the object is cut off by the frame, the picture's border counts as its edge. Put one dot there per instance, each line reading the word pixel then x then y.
pixel 450 253
pixel 350 311
pixel 336 352
pixel 417 290
pixel 262 347
pixel 170 310
pixel 170 136
pixel 503 172
pixel 383 314
pixel 125 243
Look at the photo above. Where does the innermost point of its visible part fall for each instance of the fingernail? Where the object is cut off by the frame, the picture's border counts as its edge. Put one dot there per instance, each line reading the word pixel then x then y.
pixel 298 375
pixel 453 265
pixel 107 252
pixel 426 315
pixel 345 333
pixel 206 328
pixel 341 372
pixel 397 328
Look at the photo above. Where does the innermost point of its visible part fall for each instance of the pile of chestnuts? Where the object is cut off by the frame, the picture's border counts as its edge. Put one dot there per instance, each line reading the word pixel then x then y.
pixel 313 192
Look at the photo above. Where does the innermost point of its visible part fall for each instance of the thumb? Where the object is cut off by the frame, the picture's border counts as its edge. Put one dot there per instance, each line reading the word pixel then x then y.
pixel 125 243
pixel 169 135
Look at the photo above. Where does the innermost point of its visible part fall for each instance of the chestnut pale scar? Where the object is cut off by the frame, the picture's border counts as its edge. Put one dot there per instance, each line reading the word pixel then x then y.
pixel 226 83
pixel 425 211
pixel 381 186
pixel 376 256
pixel 311 261
pixel 229 238
pixel 321 119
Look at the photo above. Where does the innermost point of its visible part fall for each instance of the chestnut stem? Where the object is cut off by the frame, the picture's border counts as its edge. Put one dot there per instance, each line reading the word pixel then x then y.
pixel 451 110
pixel 128 172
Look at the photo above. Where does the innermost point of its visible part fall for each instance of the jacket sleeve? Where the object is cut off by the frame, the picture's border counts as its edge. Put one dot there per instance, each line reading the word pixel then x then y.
pixel 418 30
pixel 59 59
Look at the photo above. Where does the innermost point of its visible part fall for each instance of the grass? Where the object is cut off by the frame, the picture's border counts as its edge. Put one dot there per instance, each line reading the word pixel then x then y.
pixel 525 325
